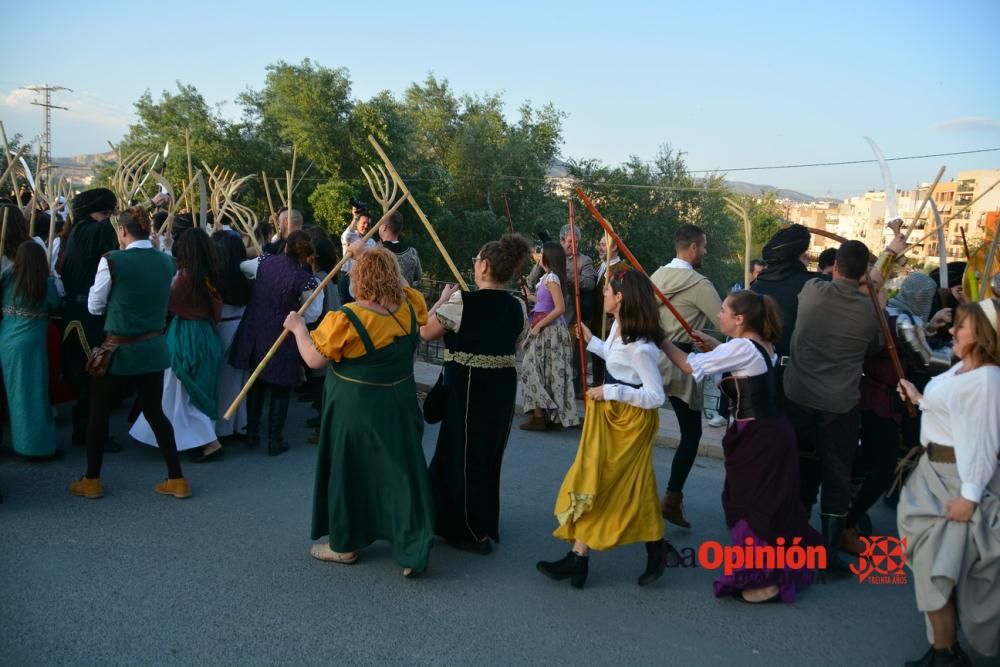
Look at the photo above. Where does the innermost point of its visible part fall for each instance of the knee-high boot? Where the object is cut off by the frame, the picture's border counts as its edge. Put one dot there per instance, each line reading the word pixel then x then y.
pixel 255 412
pixel 276 416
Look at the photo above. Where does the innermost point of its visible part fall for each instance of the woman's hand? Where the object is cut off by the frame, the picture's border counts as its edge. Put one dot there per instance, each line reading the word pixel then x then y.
pixel 294 322
pixel 959 509
pixel 587 335
pixel 706 340
pixel 535 330
pixel 446 292
pixel 908 391
pixel 596 393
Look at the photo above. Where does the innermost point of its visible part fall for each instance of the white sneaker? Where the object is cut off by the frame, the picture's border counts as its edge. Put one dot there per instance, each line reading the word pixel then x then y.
pixel 718 421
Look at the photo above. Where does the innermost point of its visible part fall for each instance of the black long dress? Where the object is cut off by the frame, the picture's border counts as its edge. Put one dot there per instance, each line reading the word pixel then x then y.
pixel 479 387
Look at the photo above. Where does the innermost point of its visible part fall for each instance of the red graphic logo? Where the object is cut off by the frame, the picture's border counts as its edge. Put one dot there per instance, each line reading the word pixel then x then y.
pixel 882 561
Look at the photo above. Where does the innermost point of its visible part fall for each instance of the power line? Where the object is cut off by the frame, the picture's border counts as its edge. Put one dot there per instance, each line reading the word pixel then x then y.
pixel 843 162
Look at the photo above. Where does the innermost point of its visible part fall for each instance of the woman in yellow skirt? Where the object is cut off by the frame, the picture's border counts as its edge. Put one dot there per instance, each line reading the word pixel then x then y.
pixel 609 496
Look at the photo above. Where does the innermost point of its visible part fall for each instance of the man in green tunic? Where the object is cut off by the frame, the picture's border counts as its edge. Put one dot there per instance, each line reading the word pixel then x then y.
pixel 132 286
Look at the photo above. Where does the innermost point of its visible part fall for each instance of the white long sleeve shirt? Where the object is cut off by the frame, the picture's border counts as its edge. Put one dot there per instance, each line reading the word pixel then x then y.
pixel 97 299
pixel 635 363
pixel 738 357
pixel 962 410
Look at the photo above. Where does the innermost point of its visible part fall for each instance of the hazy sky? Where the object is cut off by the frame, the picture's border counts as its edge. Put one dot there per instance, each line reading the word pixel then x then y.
pixel 732 84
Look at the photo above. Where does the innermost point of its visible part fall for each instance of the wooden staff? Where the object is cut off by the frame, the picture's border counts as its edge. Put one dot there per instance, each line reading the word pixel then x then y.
pixel 11 162
pixel 968 259
pixel 3 228
pixel 420 214
pixel 890 346
pixel 638 267
pixel 305 306
pixel 576 299
pixel 510 227
pixel 923 203
pixel 34 192
pixel 955 214
pixel 187 148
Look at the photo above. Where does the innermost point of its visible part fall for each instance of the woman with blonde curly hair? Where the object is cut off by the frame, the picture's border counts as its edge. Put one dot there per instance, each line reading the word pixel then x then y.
pixel 949 508
pixel 371 475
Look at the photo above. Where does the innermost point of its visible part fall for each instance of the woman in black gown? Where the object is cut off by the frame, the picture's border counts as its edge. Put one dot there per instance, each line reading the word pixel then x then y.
pixel 474 398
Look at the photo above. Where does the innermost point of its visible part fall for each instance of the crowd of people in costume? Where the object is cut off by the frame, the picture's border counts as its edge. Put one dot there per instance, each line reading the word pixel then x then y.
pixel 806 361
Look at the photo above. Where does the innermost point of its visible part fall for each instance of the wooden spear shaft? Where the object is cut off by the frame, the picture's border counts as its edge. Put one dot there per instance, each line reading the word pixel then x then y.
pixel 305 306
pixel 576 300
pixel 420 214
pixel 187 148
pixel 923 203
pixel 34 192
pixel 3 228
pixel 638 267
pixel 11 162
pixel 510 227
pixel 890 346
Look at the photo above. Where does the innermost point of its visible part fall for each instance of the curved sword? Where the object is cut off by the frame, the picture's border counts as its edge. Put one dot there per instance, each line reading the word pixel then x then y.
pixel 891 202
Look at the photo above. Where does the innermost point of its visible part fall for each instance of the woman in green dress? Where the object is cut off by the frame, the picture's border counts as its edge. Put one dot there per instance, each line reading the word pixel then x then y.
pixel 371 474
pixel 28 296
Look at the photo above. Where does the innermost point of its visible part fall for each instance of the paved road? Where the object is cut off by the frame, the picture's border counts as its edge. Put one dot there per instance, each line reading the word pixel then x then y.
pixel 225 578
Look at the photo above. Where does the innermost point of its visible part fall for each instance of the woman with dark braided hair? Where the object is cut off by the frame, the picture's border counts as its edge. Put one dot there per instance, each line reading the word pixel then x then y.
pixel 283 282
pixel 190 385
pixel 475 395
pixel 761 493
pixel 28 295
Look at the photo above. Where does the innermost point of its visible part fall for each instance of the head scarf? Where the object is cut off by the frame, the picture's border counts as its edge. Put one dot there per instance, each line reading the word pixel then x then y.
pixel 788 244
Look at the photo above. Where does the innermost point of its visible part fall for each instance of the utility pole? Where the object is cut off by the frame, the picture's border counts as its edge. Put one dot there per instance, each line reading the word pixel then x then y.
pixel 47 107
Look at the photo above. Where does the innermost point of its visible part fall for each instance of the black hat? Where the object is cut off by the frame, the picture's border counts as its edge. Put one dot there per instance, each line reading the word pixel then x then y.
pixel 92 201
pixel 788 244
pixel 182 222
pixel 956 270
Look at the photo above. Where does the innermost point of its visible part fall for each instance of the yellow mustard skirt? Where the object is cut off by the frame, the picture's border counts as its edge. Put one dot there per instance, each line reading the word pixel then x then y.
pixel 609 496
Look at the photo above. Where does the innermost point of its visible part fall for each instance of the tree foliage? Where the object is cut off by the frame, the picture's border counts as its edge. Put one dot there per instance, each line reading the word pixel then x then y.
pixel 459 154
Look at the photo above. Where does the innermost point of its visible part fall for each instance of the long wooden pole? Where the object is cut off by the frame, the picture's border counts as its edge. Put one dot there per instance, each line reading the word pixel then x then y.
pixel 576 300
pixel 11 162
pixel 305 306
pixel 890 346
pixel 923 203
pixel 638 267
pixel 34 192
pixel 187 148
pixel 3 227
pixel 510 228
pixel 420 214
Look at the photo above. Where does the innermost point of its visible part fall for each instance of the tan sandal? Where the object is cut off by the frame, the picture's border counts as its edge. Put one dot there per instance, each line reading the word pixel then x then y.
pixel 324 553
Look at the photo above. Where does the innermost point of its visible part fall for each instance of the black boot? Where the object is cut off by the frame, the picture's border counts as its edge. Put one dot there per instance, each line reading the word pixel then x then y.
pixel 276 416
pixel 833 529
pixel 255 411
pixel 656 561
pixel 943 657
pixel 573 567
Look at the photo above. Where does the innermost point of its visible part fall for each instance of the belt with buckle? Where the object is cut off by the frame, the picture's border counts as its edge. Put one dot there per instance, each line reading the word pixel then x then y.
pixel 940 453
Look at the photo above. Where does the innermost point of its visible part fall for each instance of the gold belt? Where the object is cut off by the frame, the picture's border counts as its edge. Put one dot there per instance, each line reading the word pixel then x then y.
pixel 940 453
pixel 480 360
pixel 372 384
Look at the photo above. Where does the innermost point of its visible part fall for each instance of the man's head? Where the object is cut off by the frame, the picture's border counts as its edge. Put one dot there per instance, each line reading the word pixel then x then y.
pixel 289 223
pixel 851 261
pixel 756 266
pixel 391 228
pixel 826 259
pixel 363 224
pixel 566 241
pixel 602 250
pixel 690 244
pixel 97 204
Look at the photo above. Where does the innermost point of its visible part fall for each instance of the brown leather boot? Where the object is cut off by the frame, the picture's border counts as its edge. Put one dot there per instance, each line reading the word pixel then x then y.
pixel 87 488
pixel 178 488
pixel 673 509
pixel 533 423
pixel 851 542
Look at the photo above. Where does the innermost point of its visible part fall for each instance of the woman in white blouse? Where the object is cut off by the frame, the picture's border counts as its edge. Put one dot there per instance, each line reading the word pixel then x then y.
pixel 609 496
pixel 949 509
pixel 761 493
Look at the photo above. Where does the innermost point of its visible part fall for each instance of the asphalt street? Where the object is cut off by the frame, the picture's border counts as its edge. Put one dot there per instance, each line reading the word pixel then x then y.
pixel 225 578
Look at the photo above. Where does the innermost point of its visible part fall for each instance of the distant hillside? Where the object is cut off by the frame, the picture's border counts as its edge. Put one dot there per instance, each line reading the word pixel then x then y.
pixel 755 190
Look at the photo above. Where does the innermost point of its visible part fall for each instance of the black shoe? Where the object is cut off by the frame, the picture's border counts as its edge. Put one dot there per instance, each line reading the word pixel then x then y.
pixel 202 457
pixel 482 548
pixel 234 437
pixel 277 449
pixel 656 562
pixel 573 567
pixel 833 528
pixel 945 657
